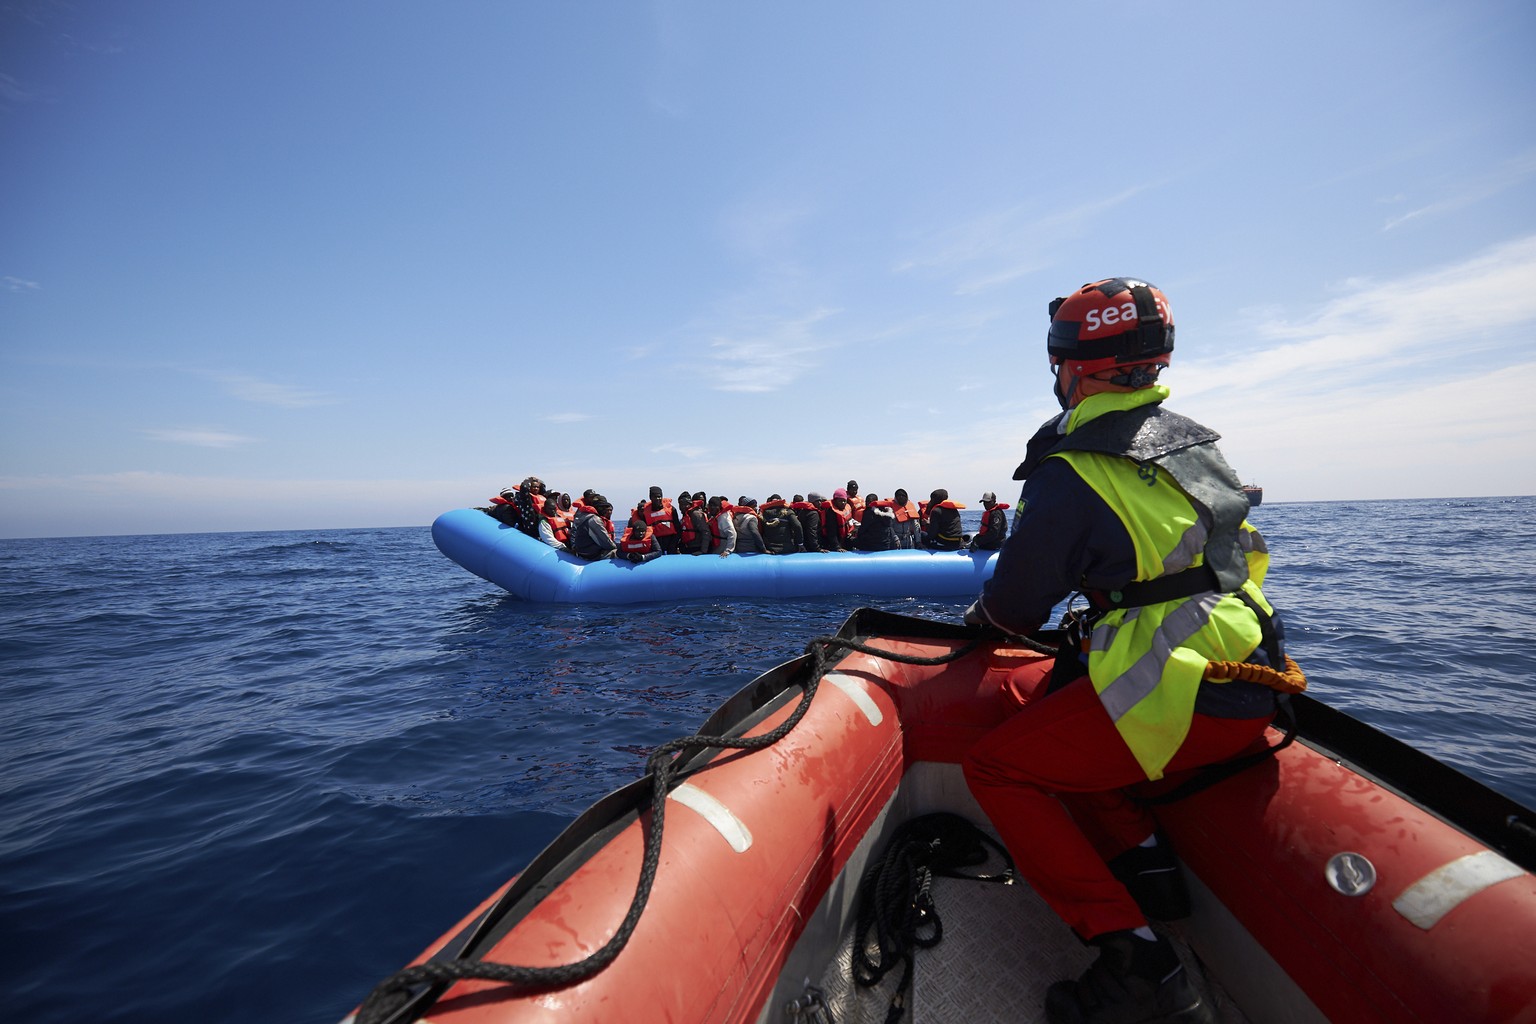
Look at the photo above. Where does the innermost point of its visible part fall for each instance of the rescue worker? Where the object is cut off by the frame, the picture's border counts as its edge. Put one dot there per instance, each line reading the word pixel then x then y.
pixel 1134 506
pixel 994 525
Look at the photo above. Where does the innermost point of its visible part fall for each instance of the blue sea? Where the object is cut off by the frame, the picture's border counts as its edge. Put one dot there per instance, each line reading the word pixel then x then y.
pixel 246 775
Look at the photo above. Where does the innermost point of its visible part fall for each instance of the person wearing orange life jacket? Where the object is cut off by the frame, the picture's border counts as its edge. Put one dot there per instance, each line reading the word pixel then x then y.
pixel 693 530
pixel 590 536
pixel 554 528
pixel 663 519
pixel 942 531
pixel 1135 507
pixel 782 532
pixel 639 542
pixel 905 531
pixel 994 525
pixel 836 515
pixel 503 508
pixel 722 528
pixel 808 511
pixel 749 527
pixel 852 490
pixel 876 528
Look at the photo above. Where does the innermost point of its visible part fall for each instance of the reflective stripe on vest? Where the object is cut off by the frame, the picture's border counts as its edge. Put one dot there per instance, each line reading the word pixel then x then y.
pixel 1146 663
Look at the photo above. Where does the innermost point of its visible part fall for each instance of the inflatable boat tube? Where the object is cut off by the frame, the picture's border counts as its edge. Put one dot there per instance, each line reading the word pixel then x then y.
pixel 534 571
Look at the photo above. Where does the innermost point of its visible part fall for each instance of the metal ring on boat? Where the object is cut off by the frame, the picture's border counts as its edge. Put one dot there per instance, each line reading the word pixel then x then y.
pixel 1350 873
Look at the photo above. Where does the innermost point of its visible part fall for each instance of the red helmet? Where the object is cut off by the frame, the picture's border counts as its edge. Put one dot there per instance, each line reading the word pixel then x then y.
pixel 1117 322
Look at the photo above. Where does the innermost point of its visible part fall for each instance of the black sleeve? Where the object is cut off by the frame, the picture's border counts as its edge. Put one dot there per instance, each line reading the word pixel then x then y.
pixel 1064 536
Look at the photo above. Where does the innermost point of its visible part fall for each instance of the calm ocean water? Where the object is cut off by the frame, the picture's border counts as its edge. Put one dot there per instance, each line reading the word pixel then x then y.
pixel 245 776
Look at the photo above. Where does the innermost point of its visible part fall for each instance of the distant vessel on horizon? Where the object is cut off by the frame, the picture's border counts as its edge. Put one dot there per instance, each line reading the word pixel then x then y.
pixel 1255 494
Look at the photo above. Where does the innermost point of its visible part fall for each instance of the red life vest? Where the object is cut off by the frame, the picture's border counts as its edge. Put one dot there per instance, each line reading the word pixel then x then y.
pixel 986 521
pixel 842 517
pixel 904 512
pixel 560 523
pixel 688 533
pixel 632 544
pixel 660 519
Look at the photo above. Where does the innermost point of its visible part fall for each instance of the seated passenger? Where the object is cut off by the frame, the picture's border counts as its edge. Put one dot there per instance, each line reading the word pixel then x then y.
pixel 835 518
pixel 639 543
pixel 994 525
pixel 808 511
pixel 782 532
pixel 663 519
pixel 905 532
pixel 722 528
pixel 590 538
pixel 875 529
pixel 554 527
pixel 943 532
pixel 694 527
pixel 504 509
pixel 852 490
pixel 749 530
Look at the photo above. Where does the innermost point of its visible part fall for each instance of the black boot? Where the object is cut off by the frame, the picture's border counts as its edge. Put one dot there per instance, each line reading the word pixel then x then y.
pixel 1152 875
pixel 1134 981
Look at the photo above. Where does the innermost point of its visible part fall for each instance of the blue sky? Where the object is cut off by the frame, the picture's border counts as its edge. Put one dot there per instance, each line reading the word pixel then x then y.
pixel 304 265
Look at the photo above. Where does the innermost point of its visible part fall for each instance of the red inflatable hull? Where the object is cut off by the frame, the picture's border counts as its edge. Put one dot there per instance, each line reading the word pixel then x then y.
pixel 735 887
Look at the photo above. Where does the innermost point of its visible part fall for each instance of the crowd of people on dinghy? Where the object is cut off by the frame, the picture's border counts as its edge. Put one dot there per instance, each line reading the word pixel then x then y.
pixel 693 524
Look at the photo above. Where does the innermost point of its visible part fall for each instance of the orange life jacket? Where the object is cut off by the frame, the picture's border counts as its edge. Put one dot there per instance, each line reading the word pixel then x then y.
pixel 660 519
pixel 688 533
pixel 842 517
pixel 632 544
pixel 905 512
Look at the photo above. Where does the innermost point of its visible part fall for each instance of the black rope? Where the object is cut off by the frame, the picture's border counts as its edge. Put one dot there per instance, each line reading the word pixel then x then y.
pixel 896 915
pixel 404 995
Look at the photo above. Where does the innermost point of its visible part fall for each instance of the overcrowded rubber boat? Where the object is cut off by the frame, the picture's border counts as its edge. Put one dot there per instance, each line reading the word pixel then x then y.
pixel 1344 877
pixel 524 567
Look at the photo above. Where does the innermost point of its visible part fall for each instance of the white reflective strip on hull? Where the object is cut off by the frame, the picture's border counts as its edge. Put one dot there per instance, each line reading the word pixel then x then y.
pixel 732 828
pixel 1444 889
pixel 854 688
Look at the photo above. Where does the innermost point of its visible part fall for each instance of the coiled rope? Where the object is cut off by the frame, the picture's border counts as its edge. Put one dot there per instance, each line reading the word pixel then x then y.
pixel 401 997
pixel 896 914
pixel 1290 680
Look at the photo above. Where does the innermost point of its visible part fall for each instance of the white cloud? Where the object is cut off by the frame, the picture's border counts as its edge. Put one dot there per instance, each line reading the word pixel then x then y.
pixel 17 284
pixel 200 438
pixel 566 417
pixel 1004 245
pixel 1500 178
pixel 1419 385
pixel 767 353
pixel 265 392
pixel 1442 321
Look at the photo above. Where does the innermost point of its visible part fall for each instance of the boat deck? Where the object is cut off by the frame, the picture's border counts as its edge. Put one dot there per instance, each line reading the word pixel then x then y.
pixel 1002 948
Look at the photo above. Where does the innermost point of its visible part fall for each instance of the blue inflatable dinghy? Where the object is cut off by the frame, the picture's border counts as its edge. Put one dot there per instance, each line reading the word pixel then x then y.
pixel 533 571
